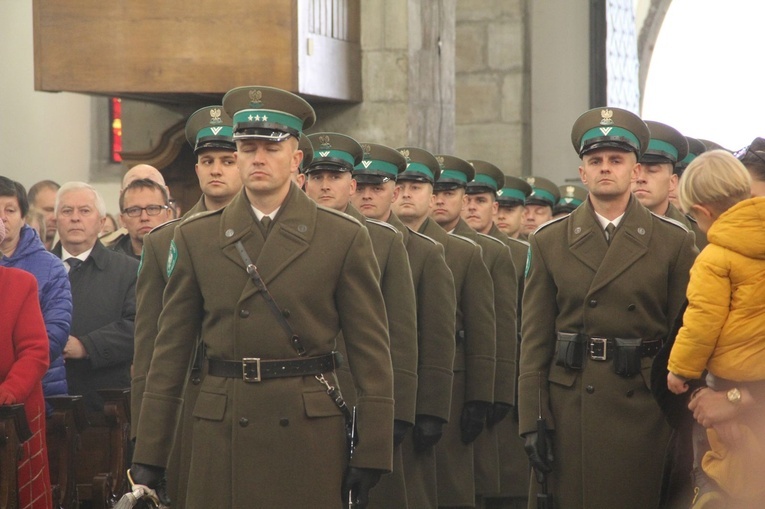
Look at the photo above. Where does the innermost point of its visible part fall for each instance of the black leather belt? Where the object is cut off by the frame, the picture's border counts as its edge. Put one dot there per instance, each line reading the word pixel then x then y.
pixel 601 349
pixel 254 369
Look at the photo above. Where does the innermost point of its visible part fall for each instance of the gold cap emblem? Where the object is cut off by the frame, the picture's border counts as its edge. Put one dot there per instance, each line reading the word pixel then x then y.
pixel 605 117
pixel 530 181
pixel 324 141
pixel 215 116
pixel 440 160
pixel 570 191
pixel 367 150
pixel 405 153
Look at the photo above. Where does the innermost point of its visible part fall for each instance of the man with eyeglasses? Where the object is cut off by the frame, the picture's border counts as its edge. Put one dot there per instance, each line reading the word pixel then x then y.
pixel 144 205
pixel 99 349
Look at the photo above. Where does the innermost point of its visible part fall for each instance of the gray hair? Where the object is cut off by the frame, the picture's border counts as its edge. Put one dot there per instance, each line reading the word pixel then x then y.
pixel 75 186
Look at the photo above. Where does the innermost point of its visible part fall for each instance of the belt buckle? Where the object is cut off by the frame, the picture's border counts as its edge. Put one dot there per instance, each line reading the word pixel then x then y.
pixel 602 344
pixel 247 365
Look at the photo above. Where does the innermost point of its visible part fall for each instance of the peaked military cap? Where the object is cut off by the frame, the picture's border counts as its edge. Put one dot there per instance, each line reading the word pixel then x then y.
pixel 488 178
pixel 421 165
pixel 334 152
pixel 610 128
pixel 210 127
pixel 571 197
pixel 379 164
pixel 711 145
pixel 666 145
pixel 513 192
pixel 695 149
pixel 543 192
pixel 306 146
pixel 267 113
pixel 455 173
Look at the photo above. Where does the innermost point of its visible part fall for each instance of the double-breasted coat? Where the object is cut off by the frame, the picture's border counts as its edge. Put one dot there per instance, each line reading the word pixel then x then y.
pixel 474 360
pixel 499 261
pixel 279 442
pixel 609 435
pixel 436 308
pixel 150 287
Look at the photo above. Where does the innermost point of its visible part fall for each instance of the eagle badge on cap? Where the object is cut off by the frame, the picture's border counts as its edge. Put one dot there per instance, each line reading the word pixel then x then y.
pixel 605 117
pixel 405 153
pixel 440 160
pixel 256 96
pixel 367 149
pixel 570 191
pixel 530 181
pixel 324 141
pixel 215 116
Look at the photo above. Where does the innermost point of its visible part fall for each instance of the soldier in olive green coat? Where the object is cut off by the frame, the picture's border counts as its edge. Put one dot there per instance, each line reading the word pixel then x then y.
pixel 263 413
pixel 376 190
pixel 474 360
pixel 604 287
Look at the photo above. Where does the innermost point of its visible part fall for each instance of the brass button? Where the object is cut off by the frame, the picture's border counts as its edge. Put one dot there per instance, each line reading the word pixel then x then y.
pixel 631 307
pixel 243 313
pixel 284 422
pixel 590 389
pixel 243 422
pixel 593 303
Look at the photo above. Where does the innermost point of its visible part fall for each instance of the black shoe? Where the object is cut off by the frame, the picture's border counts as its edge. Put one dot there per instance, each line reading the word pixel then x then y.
pixel 706 493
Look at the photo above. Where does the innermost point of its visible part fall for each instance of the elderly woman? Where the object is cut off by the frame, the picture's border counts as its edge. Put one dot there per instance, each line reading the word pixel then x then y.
pixel 23 362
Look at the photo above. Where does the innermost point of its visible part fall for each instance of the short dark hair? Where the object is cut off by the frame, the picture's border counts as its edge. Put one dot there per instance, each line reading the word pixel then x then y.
pixel 10 187
pixel 143 184
pixel 40 186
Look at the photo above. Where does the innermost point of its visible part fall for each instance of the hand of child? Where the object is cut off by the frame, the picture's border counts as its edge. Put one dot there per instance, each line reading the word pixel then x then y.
pixel 676 384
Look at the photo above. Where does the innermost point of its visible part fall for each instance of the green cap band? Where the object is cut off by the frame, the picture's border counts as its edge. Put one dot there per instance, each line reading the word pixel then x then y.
pixel 570 201
pixel 608 133
pixel 453 175
pixel 485 179
pixel 318 155
pixel 419 168
pixel 224 131
pixel 662 148
pixel 268 117
pixel 376 165
pixel 511 193
pixel 690 157
pixel 541 194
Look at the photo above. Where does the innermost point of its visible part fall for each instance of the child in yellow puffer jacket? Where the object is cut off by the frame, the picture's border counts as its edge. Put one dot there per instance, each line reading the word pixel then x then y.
pixel 724 325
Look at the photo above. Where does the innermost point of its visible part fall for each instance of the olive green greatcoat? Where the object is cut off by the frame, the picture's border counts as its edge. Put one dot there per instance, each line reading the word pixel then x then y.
pixel 499 261
pixel 513 461
pixel 474 361
pixel 400 305
pixel 701 237
pixel 152 279
pixel 436 309
pixel 609 434
pixel 248 438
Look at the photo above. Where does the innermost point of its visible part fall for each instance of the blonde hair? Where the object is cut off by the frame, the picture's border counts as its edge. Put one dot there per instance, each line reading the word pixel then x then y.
pixel 715 179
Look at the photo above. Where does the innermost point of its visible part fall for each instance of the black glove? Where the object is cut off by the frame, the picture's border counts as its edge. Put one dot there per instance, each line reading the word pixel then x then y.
pixel 399 431
pixel 152 477
pixel 358 482
pixel 540 462
pixel 473 419
pixel 427 432
pixel 497 412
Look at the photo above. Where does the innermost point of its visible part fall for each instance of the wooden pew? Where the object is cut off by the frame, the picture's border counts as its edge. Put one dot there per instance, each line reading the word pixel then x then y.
pixel 63 430
pixel 105 452
pixel 14 431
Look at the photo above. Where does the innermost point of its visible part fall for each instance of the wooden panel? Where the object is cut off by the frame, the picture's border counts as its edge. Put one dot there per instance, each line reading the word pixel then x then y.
pixel 174 46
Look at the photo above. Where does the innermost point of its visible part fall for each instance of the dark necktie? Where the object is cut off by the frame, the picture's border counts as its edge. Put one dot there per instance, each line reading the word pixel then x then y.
pixel 610 232
pixel 265 222
pixel 73 263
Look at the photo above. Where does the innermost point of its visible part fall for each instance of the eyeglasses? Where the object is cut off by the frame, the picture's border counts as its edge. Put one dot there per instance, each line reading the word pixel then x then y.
pixel 151 210
pixel 744 152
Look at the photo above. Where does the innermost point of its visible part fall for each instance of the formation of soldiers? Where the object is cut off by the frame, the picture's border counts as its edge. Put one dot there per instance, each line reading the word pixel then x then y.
pixel 353 317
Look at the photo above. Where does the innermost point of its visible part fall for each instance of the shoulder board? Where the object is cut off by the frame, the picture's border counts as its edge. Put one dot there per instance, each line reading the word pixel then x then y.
pixel 161 226
pixel 489 237
pixel 338 214
pixel 421 235
pixel 548 223
pixel 670 221
pixel 519 241
pixel 463 238
pixel 200 215
pixel 383 224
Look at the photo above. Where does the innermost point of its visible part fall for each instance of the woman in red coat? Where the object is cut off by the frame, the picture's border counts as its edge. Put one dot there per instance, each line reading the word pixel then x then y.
pixel 23 362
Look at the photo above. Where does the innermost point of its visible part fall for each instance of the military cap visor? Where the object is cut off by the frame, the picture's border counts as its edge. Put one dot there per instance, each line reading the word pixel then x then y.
pixel 372 179
pixel 543 192
pixel 210 128
pixel 666 145
pixel 334 152
pixel 488 178
pixel 379 164
pixel 514 192
pixel 421 165
pixel 267 113
pixel 455 173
